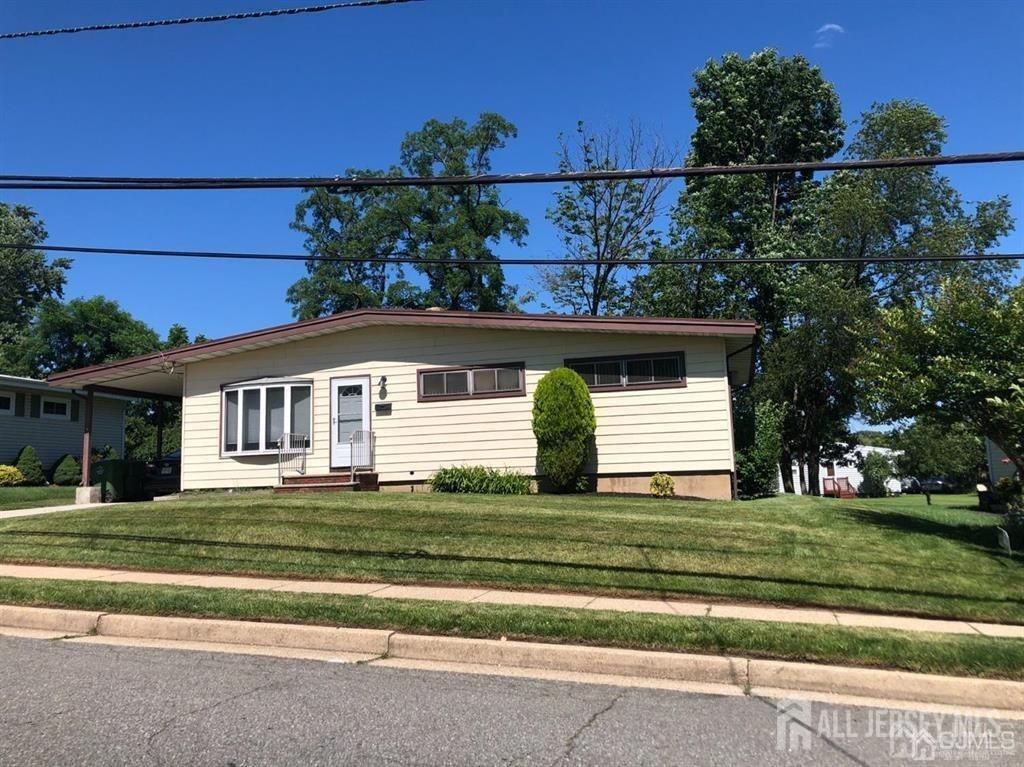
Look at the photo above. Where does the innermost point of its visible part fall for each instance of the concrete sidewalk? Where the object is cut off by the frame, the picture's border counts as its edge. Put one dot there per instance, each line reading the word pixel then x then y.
pixel 528 598
pixel 36 510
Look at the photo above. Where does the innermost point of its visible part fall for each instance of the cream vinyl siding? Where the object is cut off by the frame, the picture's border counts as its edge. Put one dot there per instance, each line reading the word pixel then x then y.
pixel 53 438
pixel 644 430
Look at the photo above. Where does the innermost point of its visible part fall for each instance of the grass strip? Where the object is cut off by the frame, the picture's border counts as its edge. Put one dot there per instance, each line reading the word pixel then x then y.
pixel 951 654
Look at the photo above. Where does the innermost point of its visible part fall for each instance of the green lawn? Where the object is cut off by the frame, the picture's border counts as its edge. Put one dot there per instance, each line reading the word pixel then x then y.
pixel 959 655
pixel 30 497
pixel 894 555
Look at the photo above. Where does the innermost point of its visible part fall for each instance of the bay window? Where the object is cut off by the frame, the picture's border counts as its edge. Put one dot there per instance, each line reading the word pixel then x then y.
pixel 255 415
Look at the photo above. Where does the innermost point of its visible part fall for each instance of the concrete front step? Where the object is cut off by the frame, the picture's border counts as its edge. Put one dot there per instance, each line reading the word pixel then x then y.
pixel 319 487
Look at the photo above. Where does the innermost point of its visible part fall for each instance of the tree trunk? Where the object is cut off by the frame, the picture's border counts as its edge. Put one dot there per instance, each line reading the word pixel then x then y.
pixel 786 469
pixel 813 470
pixel 802 468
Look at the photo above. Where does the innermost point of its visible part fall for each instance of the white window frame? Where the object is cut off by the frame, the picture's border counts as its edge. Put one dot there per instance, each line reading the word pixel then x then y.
pixel 57 401
pixel 261 386
pixel 7 410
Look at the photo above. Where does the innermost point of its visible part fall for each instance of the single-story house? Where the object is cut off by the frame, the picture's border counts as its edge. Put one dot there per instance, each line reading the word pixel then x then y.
pixel 402 393
pixel 51 420
pixel 836 476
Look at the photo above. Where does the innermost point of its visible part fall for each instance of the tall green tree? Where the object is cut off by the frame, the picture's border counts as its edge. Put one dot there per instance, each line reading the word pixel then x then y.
pixel 434 226
pixel 26 278
pixel 83 332
pixel 608 220
pixel 361 228
pixel 929 449
pixel 953 358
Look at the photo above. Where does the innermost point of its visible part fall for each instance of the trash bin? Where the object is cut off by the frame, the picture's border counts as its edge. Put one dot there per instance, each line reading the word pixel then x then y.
pixel 120 479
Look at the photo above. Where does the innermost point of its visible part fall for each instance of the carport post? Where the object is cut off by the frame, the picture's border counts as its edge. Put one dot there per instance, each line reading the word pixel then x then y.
pixel 87 439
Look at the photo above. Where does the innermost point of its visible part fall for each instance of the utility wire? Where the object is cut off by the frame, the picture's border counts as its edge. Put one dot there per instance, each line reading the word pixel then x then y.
pixel 203 19
pixel 8 181
pixel 408 258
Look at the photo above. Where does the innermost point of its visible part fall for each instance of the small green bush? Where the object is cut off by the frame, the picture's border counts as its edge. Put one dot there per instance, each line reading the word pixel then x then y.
pixel 663 486
pixel 10 476
pixel 30 466
pixel 757 467
pixel 67 471
pixel 480 479
pixel 563 423
pixel 876 470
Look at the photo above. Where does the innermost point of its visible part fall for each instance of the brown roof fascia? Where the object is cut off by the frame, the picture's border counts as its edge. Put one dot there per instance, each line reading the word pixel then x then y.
pixel 407 317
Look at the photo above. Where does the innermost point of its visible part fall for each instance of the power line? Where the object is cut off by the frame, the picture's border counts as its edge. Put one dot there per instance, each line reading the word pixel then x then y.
pixel 8 181
pixel 405 257
pixel 204 19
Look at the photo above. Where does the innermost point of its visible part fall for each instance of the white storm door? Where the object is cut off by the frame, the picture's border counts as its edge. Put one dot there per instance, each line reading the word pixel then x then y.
pixel 350 411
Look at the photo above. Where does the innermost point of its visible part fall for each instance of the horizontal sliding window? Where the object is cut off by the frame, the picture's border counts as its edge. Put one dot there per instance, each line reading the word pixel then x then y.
pixel 648 371
pixel 59 409
pixel 467 383
pixel 6 403
pixel 255 416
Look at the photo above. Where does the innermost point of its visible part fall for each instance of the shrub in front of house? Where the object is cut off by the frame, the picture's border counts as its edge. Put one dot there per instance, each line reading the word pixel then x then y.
pixel 30 466
pixel 564 424
pixel 662 486
pixel 10 476
pixel 876 470
pixel 479 479
pixel 757 466
pixel 67 471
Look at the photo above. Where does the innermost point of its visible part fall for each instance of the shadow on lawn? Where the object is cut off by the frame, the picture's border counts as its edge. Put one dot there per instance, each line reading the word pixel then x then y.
pixel 422 555
pixel 980 536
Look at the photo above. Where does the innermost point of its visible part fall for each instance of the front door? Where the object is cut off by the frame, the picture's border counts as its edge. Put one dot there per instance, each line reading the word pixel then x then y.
pixel 350 411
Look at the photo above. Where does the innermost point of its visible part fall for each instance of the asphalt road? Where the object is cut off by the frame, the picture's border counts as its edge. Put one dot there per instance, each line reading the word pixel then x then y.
pixel 66 704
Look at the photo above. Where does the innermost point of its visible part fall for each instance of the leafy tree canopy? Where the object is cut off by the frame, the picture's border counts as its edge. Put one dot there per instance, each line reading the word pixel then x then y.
pixel 26 278
pixel 953 358
pixel 436 225
pixel 82 332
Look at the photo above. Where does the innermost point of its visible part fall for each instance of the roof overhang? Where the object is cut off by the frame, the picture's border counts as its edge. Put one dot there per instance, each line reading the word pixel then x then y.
pixel 161 373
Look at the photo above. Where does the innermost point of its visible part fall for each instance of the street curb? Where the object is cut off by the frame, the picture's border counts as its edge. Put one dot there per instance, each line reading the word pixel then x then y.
pixel 876 683
pixel 594 660
pixel 748 675
pixel 68 621
pixel 245 632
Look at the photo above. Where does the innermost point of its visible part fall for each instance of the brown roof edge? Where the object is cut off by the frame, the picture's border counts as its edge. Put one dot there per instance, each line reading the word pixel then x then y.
pixel 361 317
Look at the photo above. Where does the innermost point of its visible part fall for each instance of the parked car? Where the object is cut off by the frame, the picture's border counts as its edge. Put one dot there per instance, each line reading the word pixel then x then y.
pixel 910 485
pixel 936 485
pixel 164 475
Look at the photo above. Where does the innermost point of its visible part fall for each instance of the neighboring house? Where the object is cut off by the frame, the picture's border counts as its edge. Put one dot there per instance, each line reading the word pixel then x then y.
pixel 846 471
pixel 51 420
pixel 999 465
pixel 443 388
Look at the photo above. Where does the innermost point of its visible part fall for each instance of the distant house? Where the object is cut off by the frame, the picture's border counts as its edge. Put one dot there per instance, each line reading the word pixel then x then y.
pixel 51 420
pixel 394 395
pixel 836 475
pixel 999 465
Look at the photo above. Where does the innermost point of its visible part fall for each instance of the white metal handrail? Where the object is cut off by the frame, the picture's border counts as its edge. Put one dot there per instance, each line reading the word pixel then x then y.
pixel 362 446
pixel 291 454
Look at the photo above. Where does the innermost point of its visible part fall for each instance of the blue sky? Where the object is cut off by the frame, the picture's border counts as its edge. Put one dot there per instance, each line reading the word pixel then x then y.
pixel 313 95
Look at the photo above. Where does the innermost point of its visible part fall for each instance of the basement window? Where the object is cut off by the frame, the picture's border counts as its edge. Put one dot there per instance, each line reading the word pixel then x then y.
pixel 256 414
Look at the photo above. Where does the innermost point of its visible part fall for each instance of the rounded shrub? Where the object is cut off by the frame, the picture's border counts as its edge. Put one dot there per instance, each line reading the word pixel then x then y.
pixel 30 466
pixel 662 486
pixel 67 471
pixel 563 423
pixel 876 470
pixel 10 476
